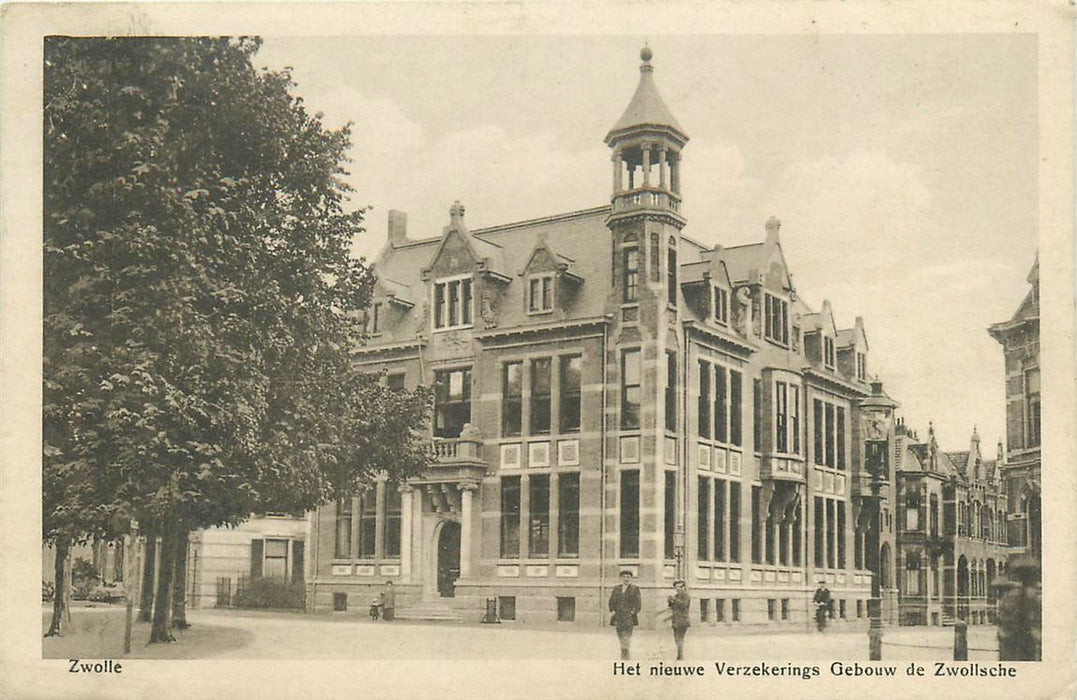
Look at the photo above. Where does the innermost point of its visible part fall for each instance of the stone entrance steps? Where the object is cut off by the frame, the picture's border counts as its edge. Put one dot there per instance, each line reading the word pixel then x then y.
pixel 431 611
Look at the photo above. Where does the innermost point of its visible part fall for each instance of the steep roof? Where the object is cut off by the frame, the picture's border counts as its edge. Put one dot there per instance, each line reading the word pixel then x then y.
pixel 960 460
pixel 646 108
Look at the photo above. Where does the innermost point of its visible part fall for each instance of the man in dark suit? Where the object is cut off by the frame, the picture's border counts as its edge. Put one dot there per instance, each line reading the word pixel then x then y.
pixel 625 604
pixel 679 604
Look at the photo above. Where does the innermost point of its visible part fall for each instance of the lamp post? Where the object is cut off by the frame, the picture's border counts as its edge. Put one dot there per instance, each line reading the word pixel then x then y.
pixel 876 422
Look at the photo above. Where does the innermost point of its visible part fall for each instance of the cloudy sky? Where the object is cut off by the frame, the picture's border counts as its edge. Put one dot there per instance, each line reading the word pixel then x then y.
pixel 903 168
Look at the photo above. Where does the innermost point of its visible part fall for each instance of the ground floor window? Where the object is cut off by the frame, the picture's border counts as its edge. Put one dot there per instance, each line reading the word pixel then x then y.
pixel 506 607
pixel 704 604
pixel 566 609
pixel 629 513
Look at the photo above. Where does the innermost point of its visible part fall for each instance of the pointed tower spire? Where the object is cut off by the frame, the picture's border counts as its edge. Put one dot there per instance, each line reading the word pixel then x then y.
pixel 646 145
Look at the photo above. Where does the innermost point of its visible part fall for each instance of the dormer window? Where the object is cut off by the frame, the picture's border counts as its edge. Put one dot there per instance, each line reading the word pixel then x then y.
pixel 777 317
pixel 862 366
pixel 540 294
pixel 372 320
pixel 828 352
pixel 721 306
pixel 452 303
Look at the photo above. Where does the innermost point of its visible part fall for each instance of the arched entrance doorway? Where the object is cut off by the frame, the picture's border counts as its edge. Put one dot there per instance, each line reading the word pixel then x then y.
pixel 962 587
pixel 448 558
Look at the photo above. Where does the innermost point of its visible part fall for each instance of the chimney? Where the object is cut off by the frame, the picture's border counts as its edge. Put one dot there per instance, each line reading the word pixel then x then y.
pixel 398 227
pixel 773 225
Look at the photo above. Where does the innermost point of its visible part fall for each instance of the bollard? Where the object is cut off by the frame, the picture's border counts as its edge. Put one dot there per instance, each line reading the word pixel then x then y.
pixel 961 641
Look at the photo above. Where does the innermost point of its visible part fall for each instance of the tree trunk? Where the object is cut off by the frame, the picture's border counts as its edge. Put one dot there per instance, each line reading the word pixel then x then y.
pixel 61 613
pixel 179 590
pixel 162 611
pixel 145 607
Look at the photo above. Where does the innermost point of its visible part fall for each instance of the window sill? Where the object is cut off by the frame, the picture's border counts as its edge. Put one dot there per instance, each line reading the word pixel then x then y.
pixel 465 327
pixel 540 312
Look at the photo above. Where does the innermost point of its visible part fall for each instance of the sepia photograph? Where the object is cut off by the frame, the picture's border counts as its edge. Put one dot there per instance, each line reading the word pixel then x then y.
pixel 658 360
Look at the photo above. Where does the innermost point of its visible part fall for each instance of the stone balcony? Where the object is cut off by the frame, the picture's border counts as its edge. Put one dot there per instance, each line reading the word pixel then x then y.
pixel 457 459
pixel 646 199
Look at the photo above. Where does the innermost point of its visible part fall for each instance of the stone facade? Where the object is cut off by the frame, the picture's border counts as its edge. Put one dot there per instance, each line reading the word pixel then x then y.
pixel 613 395
pixel 952 536
pixel 1020 340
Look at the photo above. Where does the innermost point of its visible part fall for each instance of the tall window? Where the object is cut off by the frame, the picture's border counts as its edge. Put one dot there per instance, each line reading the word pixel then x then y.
pixel 391 544
pixel 828 352
pixel 629 513
pixel 704 406
pixel 631 269
pixel 840 532
pixel 452 396
pixel 934 515
pixel 1032 398
pixel 781 417
pixel 368 518
pixel 656 257
pixel 671 272
pixel 703 519
pixel 793 395
pixel 510 517
pixel 861 366
pixel 839 435
pixel 512 398
pixel 343 543
pixel 538 487
pixel 734 521
pixel 540 294
pixel 719 519
pixel 721 418
pixel 757 531
pixel 828 434
pixel 671 392
pixel 734 407
pixel 828 413
pixel 570 393
pixel 540 395
pixel 452 303
pixel 669 513
pixel 757 414
pixel 721 306
pixel 630 389
pixel 568 514
pixel 777 319
pixel 820 532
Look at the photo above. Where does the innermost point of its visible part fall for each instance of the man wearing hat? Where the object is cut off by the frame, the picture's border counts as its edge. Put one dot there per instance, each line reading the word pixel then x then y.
pixel 679 603
pixel 625 604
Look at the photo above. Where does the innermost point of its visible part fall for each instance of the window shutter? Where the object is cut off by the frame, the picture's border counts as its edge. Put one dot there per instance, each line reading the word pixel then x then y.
pixel 257 553
pixel 297 561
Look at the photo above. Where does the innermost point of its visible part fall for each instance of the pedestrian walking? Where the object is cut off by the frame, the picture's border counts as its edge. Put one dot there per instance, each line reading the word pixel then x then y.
pixel 679 604
pixel 388 602
pixel 625 604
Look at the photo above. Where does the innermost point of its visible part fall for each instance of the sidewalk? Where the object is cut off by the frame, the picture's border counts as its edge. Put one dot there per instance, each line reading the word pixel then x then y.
pixel 228 634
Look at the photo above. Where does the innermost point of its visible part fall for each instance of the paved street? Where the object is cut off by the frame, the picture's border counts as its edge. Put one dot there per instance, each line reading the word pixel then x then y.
pixel 230 634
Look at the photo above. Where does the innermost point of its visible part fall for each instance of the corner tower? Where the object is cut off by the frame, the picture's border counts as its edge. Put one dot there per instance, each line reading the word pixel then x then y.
pixel 644 472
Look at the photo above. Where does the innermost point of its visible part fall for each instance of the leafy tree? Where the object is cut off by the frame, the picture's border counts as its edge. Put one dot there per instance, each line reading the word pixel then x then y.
pixel 201 302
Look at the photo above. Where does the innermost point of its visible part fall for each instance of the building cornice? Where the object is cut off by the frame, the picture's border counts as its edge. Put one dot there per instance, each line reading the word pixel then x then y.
pixel 731 342
pixel 494 335
pixel 829 381
pixel 389 348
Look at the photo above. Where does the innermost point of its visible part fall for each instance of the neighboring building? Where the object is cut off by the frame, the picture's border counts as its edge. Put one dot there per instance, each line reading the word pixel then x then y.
pixel 610 395
pixel 1020 339
pixel 952 514
pixel 222 559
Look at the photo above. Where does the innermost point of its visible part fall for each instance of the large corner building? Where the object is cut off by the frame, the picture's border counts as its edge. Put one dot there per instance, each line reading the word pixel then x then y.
pixel 610 395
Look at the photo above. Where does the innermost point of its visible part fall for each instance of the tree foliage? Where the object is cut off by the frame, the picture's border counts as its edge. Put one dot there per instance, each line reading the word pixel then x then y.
pixel 201 301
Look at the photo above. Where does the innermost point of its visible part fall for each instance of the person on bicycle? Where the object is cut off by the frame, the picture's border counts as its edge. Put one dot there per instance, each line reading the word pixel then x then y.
pixel 822 605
